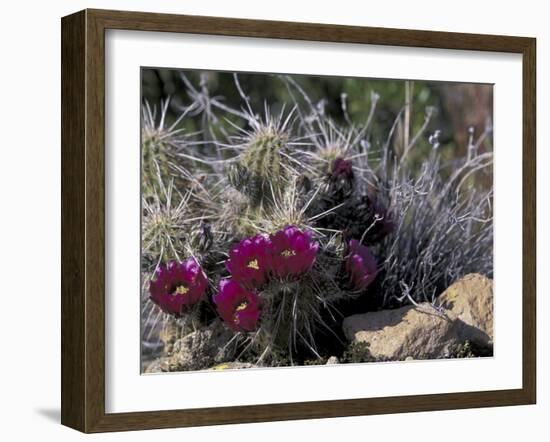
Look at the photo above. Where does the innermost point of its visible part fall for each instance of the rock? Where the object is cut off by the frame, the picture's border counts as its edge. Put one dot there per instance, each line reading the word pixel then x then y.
pixel 470 299
pixel 333 360
pixel 197 350
pixel 161 365
pixel 232 366
pixel 169 334
pixel 424 332
pixel 418 332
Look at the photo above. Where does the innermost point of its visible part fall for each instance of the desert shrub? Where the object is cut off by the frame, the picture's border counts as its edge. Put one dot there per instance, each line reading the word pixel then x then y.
pixel 469 349
pixel 357 352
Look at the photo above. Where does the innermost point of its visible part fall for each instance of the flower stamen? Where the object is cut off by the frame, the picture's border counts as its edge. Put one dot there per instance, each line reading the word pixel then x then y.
pixel 288 253
pixel 253 265
pixel 241 306
pixel 180 290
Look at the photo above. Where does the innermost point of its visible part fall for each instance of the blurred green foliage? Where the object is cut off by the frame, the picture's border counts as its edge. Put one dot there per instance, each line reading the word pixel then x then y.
pixel 456 106
pixel 159 84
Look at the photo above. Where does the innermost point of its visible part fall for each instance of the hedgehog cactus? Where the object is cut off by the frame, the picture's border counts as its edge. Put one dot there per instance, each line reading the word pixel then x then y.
pixel 154 163
pixel 261 170
pixel 165 153
pixel 162 229
pixel 158 150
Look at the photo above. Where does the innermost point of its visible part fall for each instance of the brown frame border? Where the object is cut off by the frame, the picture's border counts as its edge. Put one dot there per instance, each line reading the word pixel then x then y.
pixel 83 216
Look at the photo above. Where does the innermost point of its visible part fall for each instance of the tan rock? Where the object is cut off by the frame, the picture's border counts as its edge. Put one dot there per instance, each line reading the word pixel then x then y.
pixel 232 366
pixel 470 299
pixel 169 334
pixel 197 350
pixel 423 332
pixel 161 365
pixel 419 332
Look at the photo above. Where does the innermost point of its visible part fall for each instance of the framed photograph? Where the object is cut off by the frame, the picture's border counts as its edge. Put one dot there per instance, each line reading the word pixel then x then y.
pixel 266 221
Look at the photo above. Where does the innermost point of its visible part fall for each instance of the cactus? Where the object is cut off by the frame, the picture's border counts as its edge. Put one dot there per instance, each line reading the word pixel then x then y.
pixel 166 155
pixel 262 169
pixel 164 233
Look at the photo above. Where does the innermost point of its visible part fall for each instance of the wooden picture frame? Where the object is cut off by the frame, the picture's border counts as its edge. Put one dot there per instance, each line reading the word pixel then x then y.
pixel 83 220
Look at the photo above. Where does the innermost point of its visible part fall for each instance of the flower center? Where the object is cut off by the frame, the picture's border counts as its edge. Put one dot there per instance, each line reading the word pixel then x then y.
pixel 288 253
pixel 253 265
pixel 241 306
pixel 180 290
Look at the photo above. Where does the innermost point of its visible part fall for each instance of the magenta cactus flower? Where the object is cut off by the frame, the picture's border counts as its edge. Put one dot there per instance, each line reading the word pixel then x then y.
pixel 177 287
pixel 361 265
pixel 340 180
pixel 294 252
pixel 250 261
pixel 342 169
pixel 238 307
